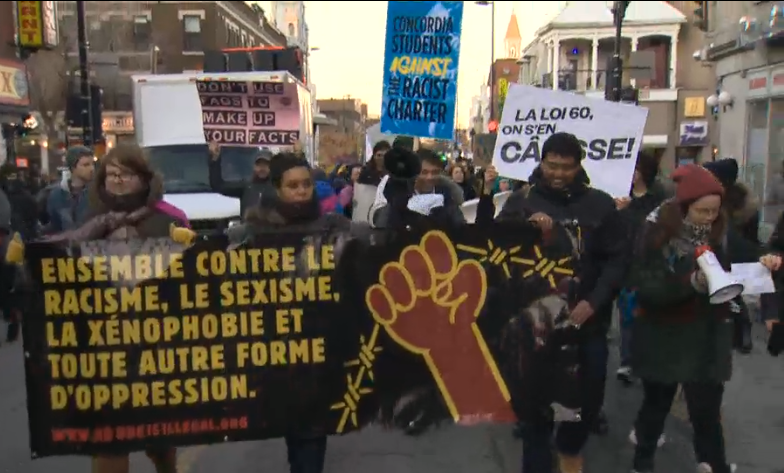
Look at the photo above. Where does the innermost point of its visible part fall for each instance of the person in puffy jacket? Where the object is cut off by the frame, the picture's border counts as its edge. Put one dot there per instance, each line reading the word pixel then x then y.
pixel 328 199
pixel 124 202
pixel 296 209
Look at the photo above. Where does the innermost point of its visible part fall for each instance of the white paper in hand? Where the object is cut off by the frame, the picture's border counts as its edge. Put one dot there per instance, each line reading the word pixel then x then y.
pixel 423 204
pixel 755 277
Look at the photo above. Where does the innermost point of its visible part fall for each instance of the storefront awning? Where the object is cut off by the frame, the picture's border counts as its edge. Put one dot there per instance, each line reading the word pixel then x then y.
pixel 654 140
pixel 321 119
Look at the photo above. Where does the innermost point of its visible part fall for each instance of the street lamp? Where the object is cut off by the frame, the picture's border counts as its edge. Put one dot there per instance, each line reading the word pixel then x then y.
pixel 492 55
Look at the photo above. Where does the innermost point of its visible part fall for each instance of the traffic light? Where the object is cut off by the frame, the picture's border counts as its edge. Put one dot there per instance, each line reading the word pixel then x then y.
pixel 701 15
pixel 96 110
pixel 492 127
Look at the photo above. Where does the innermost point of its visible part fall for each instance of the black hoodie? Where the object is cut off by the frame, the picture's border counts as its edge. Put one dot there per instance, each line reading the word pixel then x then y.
pixel 604 245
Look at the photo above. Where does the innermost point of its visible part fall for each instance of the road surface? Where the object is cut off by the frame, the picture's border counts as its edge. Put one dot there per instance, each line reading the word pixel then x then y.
pixel 754 421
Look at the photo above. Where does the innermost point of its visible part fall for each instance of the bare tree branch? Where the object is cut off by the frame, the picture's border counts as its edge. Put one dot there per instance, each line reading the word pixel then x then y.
pixel 48 82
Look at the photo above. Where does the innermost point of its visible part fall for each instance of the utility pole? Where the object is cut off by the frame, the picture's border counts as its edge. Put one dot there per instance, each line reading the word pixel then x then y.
pixel 84 76
pixel 616 63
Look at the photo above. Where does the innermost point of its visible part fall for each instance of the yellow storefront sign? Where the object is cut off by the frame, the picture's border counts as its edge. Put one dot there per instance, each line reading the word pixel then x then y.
pixel 13 83
pixel 36 24
pixel 694 107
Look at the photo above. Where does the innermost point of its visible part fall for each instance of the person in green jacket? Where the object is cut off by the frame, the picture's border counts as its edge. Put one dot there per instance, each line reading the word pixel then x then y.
pixel 680 338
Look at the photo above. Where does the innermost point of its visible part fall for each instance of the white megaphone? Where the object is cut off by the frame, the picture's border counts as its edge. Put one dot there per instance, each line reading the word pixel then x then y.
pixel 721 287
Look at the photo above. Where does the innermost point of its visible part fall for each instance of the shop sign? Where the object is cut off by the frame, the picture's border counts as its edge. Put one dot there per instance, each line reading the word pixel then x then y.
pixel 36 24
pixel 118 124
pixel 758 84
pixel 694 107
pixel 694 133
pixel 13 83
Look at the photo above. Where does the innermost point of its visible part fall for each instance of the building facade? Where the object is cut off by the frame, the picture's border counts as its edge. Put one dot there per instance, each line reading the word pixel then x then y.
pixel 343 139
pixel 572 52
pixel 745 43
pixel 14 87
pixel 504 71
pixel 289 18
pixel 129 38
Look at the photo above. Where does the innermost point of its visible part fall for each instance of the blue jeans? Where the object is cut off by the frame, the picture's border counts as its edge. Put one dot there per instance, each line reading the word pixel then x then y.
pixel 306 454
pixel 570 436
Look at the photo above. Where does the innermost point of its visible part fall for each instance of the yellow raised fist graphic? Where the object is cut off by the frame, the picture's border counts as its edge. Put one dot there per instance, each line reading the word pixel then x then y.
pixel 15 252
pixel 428 302
pixel 183 236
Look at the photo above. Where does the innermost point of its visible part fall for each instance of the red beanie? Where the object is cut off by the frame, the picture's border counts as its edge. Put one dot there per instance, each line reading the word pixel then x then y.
pixel 694 182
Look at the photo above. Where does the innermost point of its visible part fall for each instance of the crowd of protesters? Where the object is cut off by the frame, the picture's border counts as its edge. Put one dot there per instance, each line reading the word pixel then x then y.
pixel 637 260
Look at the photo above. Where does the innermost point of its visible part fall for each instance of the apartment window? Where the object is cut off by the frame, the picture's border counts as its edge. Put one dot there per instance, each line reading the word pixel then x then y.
pixel 68 29
pixel 191 32
pixel 142 33
pixel 232 36
pixel 114 30
pixel 291 29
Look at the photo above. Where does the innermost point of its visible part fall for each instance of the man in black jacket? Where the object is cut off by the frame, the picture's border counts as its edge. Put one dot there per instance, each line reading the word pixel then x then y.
pixel 24 208
pixel 251 193
pixel 561 192
pixel 398 198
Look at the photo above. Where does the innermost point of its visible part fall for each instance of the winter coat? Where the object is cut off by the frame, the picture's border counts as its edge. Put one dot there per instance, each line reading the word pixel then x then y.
pixel 679 336
pixel 152 220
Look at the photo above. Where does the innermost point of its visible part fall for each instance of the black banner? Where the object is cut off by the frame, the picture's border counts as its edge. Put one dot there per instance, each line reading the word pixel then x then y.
pixel 133 344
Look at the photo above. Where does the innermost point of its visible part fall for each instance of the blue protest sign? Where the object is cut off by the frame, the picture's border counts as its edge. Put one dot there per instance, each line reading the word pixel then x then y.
pixel 420 68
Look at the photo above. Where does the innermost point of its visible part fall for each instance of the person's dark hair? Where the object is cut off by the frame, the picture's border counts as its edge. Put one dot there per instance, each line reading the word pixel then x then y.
pixel 429 156
pixel 405 142
pixel 735 197
pixel 282 162
pixel 319 174
pixel 648 167
pixel 382 145
pixel 563 144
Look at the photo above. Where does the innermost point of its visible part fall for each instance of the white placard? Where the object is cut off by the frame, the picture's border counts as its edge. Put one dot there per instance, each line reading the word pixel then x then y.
pixel 469 207
pixel 611 134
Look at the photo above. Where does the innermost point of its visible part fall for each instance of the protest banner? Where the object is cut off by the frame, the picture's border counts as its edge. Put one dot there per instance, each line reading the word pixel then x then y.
pixel 249 113
pixel 611 134
pixel 139 343
pixel 420 68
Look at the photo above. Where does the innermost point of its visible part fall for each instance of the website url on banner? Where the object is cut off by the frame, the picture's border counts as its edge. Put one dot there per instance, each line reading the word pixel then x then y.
pixel 103 434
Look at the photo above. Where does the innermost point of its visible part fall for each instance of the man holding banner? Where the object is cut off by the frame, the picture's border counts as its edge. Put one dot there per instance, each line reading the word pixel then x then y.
pixel 561 193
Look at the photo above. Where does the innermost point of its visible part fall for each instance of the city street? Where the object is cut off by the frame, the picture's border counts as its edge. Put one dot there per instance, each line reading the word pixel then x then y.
pixel 754 419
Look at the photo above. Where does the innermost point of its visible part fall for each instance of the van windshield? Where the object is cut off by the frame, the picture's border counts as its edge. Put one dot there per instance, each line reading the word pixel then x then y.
pixel 185 168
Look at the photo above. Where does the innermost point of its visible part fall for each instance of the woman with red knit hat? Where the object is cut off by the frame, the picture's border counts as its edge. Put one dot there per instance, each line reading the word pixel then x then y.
pixel 680 338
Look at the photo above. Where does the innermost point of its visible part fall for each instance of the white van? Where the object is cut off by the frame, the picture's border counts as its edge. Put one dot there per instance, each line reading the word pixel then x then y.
pixel 167 119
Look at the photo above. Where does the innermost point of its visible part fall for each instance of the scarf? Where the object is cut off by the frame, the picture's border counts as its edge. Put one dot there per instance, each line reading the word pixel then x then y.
pixel 125 202
pixel 690 237
pixel 299 212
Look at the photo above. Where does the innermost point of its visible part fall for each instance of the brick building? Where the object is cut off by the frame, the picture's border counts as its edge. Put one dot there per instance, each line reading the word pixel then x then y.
pixel 129 38
pixel 506 70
